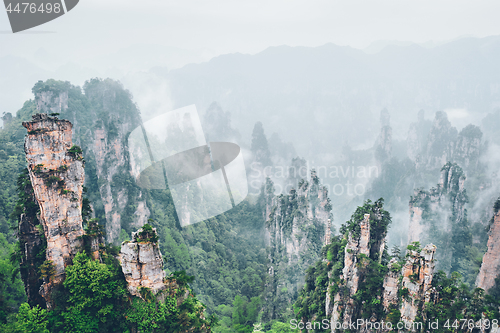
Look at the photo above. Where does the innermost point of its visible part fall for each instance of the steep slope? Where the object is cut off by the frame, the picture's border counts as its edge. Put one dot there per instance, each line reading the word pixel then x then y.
pixel 102 118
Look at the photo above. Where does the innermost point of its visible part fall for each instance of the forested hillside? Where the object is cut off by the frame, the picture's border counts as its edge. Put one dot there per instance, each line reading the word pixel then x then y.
pixel 273 259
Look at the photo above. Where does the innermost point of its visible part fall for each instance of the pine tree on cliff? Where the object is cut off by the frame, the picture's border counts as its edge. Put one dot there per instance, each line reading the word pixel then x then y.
pixel 260 148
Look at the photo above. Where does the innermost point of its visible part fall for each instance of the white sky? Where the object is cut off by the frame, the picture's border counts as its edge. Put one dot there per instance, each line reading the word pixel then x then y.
pixel 224 26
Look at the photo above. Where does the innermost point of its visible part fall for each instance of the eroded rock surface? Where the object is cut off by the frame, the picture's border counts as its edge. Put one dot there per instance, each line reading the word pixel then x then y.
pixel 101 129
pixel 142 262
pixel 57 175
pixel 417 280
pixel 344 306
pixel 391 284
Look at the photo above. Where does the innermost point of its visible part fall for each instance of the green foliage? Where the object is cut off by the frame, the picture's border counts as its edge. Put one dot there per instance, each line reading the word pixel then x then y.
pixel 53 179
pixel 182 278
pixel 76 152
pixel 47 269
pixel 240 317
pixel 415 246
pixel 311 302
pixel 62 168
pixel 50 85
pixel 312 297
pixel 496 206
pixel 454 301
pixel 92 300
pixel 28 320
pixel 11 287
pixel 12 161
pixel 147 234
pixel 170 315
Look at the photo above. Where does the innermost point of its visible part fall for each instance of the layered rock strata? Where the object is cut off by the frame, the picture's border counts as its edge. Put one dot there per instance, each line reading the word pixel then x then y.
pixel 57 175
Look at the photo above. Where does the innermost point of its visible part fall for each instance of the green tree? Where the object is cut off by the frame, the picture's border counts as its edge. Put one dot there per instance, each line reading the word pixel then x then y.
pixel 95 296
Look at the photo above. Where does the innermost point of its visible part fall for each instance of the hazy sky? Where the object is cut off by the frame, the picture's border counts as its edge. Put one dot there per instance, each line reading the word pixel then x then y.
pixel 222 26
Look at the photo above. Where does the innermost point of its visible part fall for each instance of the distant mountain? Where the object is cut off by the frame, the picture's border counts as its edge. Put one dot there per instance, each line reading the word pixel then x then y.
pixel 323 96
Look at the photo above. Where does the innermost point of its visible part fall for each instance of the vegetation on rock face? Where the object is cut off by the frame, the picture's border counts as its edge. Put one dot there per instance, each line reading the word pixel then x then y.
pixel 94 297
pixel 147 234
pixel 450 298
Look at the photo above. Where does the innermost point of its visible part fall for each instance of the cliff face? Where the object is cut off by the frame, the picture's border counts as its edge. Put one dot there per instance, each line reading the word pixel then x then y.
pixel 50 101
pixel 116 119
pixel 417 281
pixel 490 268
pixel 364 239
pixel 102 119
pixel 57 175
pixel 295 232
pixel 142 262
pixel 436 214
pixel 357 248
pixel 391 285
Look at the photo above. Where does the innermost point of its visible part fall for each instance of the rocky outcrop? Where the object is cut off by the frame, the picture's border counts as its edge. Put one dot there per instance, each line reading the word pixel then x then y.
pixel 437 213
pixel 490 268
pixel 142 262
pixel 57 175
pixel 391 285
pixel 294 232
pixel 364 238
pixel 417 281
pixel 357 248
